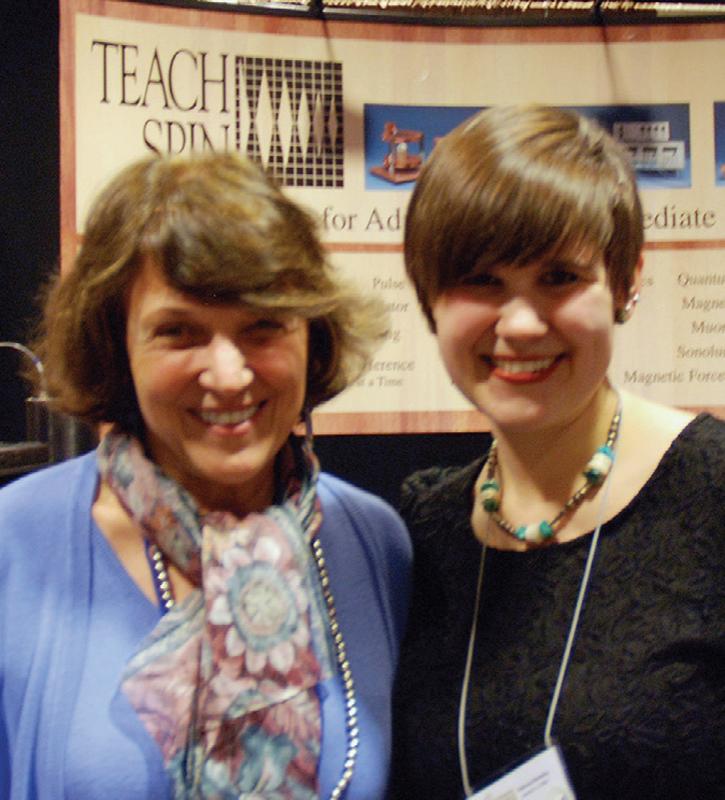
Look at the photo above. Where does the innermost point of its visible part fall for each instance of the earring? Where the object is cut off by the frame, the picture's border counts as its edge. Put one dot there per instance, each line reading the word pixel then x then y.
pixel 622 315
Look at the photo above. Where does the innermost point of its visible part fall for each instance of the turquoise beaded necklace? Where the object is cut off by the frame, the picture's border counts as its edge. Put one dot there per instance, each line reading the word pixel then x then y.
pixel 595 472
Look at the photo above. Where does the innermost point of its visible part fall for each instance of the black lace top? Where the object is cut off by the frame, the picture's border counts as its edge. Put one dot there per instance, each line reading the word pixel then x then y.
pixel 642 711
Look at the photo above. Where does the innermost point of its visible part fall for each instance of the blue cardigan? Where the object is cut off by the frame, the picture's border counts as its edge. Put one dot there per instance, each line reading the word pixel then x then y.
pixel 70 617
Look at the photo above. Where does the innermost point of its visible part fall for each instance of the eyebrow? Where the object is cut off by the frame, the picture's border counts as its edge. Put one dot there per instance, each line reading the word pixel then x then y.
pixel 168 310
pixel 588 263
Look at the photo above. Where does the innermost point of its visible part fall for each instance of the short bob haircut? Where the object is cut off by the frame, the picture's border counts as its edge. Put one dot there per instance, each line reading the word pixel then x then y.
pixel 515 184
pixel 222 232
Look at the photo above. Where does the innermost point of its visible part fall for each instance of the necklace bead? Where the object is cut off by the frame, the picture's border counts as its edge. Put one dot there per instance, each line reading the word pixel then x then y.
pixel 595 473
pixel 351 720
pixel 490 495
pixel 162 584
pixel 599 464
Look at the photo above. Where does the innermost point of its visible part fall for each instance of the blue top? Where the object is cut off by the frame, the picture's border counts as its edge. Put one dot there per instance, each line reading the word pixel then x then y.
pixel 70 618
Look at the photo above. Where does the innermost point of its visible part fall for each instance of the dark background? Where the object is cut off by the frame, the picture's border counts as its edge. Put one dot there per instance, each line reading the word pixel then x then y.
pixel 30 236
pixel 29 166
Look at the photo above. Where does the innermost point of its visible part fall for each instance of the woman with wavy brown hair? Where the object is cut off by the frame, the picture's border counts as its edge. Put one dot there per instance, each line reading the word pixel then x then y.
pixel 194 610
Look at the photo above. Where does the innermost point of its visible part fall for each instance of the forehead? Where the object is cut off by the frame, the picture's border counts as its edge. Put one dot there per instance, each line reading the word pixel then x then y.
pixel 152 299
pixel 149 281
pixel 150 291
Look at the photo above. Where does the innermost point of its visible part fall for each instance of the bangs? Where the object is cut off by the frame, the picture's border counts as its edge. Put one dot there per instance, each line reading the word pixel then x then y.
pixel 524 215
pixel 224 255
pixel 519 184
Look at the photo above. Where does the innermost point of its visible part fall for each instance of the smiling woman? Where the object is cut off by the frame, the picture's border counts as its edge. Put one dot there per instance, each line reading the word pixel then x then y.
pixel 219 619
pixel 567 608
pixel 219 389
pixel 514 340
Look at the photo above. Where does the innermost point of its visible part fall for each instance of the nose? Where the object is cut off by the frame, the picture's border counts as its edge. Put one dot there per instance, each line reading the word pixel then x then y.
pixel 225 368
pixel 521 318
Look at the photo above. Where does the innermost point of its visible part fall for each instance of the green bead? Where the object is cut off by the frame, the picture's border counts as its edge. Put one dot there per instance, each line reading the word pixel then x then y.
pixel 521 533
pixel 546 530
pixel 490 495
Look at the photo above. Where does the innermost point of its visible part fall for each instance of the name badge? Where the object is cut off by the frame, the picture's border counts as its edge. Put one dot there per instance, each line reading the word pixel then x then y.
pixel 541 777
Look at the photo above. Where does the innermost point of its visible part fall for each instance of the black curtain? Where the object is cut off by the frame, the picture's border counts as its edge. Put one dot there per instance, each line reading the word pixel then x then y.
pixel 29 181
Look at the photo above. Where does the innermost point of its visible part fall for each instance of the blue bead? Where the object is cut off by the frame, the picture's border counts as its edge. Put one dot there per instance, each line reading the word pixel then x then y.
pixel 599 465
pixel 490 495
pixel 546 530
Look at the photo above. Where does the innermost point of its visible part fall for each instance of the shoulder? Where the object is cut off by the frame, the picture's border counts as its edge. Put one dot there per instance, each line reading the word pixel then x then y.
pixel 368 515
pixel 686 492
pixel 700 450
pixel 437 493
pixel 42 500
pixel 658 441
pixel 707 429
pixel 650 429
pixel 673 530
pixel 694 467
pixel 51 482
pixel 44 560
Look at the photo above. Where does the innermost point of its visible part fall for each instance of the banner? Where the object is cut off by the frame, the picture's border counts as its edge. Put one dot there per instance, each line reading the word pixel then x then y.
pixel 345 113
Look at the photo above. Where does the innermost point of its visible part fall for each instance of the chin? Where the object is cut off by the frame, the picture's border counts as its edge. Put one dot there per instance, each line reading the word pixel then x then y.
pixel 520 417
pixel 229 474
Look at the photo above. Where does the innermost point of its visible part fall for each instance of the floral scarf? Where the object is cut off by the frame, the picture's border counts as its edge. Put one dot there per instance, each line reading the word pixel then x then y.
pixel 226 682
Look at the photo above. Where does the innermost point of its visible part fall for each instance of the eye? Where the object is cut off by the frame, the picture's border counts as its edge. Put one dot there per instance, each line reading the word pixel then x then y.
pixel 268 324
pixel 559 276
pixel 172 330
pixel 177 334
pixel 481 279
pixel 265 327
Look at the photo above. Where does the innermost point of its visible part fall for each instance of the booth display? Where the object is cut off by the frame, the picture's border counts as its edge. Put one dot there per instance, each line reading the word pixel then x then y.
pixel 345 121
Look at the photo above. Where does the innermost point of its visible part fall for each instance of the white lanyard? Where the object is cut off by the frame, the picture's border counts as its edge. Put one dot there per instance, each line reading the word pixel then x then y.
pixel 567 648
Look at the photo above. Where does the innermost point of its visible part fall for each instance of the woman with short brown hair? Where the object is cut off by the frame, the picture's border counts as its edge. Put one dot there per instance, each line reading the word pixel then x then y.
pixel 566 633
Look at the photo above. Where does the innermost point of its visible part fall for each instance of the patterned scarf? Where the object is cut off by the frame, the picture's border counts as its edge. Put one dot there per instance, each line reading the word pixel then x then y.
pixel 226 682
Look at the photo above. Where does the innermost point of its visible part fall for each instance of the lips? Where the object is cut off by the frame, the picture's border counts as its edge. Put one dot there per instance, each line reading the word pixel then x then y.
pixel 522 370
pixel 227 418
